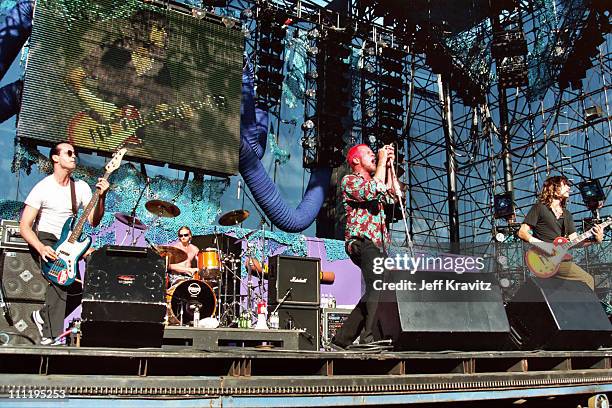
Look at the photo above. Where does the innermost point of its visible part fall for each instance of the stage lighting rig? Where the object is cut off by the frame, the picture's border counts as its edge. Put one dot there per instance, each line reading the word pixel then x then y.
pixel 503 205
pixel 270 49
pixel 592 194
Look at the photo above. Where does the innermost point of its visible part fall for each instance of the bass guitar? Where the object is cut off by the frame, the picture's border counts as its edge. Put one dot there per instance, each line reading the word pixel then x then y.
pixel 545 265
pixel 69 248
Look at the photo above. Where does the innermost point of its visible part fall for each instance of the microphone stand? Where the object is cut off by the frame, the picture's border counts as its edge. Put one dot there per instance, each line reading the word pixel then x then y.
pixel 398 193
pixel 133 212
pixel 263 223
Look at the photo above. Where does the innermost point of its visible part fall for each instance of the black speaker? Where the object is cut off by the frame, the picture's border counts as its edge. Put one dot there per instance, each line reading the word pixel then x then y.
pixel 21 276
pixel 23 331
pixel 124 298
pixel 307 318
pixel 558 314
pixel 297 277
pixel 442 311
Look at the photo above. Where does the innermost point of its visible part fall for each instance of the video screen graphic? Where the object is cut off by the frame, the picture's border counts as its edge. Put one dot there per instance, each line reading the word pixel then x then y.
pixel 165 83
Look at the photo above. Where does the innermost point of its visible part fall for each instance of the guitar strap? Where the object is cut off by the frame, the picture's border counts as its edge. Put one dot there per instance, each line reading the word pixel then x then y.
pixel 73 197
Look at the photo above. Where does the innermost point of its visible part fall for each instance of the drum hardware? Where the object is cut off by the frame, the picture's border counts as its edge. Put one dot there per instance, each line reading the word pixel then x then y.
pixel 131 220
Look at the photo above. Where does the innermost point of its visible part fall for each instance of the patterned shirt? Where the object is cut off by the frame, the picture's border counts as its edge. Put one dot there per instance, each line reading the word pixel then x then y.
pixel 365 213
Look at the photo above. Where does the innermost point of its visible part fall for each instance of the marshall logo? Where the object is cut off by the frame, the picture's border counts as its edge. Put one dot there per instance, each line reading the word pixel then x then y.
pixel 295 279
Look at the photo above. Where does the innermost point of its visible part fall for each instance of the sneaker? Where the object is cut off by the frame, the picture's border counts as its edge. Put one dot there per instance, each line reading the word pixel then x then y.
pixel 46 341
pixel 38 321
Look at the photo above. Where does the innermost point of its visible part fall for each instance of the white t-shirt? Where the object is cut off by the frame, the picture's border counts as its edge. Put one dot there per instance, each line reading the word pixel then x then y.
pixel 54 203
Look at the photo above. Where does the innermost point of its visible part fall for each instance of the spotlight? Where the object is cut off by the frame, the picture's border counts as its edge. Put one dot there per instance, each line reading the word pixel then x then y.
pixel 314 33
pixel 370 92
pixel 370 113
pixel 312 75
pixel 309 124
pixel 592 194
pixel 310 93
pixel 247 13
pixel 228 22
pixel 312 50
pixel 503 205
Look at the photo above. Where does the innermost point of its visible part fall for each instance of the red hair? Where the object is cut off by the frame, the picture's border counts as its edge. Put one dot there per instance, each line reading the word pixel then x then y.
pixel 354 153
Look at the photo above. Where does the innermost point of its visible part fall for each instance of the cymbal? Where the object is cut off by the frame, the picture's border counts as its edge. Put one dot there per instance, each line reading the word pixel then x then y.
pixel 162 208
pixel 233 217
pixel 130 221
pixel 174 254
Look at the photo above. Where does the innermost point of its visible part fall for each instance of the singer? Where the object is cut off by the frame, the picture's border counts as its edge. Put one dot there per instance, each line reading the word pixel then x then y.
pixel 365 191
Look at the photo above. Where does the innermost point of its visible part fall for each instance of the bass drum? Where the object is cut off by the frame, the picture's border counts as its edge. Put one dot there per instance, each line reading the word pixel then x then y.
pixel 185 296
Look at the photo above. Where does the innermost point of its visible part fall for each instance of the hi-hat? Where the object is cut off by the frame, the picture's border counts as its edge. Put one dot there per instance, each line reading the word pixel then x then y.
pixel 130 221
pixel 162 208
pixel 233 217
pixel 174 254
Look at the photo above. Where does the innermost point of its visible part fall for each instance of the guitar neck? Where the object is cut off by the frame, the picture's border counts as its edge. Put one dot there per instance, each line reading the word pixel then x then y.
pixel 78 228
pixel 585 235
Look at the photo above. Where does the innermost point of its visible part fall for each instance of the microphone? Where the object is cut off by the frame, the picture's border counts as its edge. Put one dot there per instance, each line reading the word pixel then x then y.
pixel 238 190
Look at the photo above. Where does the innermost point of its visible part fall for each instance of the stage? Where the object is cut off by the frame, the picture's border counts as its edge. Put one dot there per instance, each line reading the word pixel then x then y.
pixel 275 377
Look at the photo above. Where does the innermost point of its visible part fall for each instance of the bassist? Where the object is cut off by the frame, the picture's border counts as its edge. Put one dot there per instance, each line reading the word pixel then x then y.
pixel 48 206
pixel 548 219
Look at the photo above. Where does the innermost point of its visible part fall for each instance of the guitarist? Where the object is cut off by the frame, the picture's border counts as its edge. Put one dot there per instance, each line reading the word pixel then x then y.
pixel 549 219
pixel 48 206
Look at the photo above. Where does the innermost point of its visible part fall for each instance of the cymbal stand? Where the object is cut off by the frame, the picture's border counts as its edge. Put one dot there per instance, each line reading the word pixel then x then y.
pixel 131 230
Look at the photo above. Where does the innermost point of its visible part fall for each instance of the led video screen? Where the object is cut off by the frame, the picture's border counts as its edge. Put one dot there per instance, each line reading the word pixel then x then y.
pixel 165 83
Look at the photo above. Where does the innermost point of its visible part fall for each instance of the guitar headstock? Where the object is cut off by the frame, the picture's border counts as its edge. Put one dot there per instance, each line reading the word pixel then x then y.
pixel 115 162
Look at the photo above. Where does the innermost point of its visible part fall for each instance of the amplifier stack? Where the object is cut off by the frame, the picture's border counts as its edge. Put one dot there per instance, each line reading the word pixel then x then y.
pixel 294 287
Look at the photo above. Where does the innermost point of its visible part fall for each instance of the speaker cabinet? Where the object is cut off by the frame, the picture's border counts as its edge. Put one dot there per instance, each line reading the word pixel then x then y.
pixel 124 298
pixel 23 331
pixel 307 318
pixel 442 311
pixel 296 277
pixel 21 276
pixel 558 314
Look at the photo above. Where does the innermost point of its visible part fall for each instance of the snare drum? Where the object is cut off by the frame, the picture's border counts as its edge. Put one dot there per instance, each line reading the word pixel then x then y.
pixel 185 296
pixel 209 262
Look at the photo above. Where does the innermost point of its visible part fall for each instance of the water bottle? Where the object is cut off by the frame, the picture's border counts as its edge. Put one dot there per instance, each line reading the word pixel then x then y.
pixel 196 317
pixel 274 320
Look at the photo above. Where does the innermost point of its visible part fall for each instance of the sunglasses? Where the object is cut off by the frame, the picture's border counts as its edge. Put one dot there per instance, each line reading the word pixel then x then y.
pixel 184 235
pixel 71 153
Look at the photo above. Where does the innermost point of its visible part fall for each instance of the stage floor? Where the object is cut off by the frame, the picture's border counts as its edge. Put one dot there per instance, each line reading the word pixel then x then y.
pixel 254 374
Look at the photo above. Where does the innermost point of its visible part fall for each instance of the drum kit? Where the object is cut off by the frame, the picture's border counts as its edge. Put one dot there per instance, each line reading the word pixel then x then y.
pixel 213 293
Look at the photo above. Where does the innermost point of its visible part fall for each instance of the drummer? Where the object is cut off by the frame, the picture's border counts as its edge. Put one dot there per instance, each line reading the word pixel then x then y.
pixel 184 243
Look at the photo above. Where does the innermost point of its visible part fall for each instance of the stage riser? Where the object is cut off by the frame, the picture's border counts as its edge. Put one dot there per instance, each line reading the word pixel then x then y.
pixel 182 338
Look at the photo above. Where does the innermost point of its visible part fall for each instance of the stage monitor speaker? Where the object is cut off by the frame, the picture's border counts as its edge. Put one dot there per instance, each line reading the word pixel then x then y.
pixel 300 317
pixel 124 298
pixel 21 276
pixel 296 277
pixel 442 311
pixel 21 330
pixel 558 314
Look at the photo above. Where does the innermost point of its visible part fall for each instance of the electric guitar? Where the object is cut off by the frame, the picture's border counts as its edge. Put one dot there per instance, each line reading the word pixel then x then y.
pixel 85 132
pixel 69 248
pixel 544 265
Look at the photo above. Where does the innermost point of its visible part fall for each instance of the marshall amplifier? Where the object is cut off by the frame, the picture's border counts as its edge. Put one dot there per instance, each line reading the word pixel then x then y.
pixel 295 277
pixel 124 298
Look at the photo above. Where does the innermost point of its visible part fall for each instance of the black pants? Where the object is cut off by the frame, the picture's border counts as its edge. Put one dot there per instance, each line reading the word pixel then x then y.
pixel 56 297
pixel 363 315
